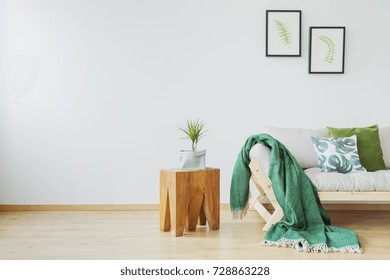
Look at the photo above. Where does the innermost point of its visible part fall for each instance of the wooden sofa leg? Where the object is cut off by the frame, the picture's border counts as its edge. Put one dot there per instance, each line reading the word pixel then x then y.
pixel 276 217
pixel 263 212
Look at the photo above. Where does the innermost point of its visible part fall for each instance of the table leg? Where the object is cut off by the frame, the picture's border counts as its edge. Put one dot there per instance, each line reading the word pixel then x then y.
pixel 194 208
pixel 202 216
pixel 165 215
pixel 211 201
pixel 179 197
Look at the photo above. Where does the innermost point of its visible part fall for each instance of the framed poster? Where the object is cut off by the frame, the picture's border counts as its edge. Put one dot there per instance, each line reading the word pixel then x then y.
pixel 283 33
pixel 326 50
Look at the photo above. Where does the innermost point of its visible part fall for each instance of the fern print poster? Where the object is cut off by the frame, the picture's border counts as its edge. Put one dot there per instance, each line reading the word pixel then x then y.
pixel 283 33
pixel 326 50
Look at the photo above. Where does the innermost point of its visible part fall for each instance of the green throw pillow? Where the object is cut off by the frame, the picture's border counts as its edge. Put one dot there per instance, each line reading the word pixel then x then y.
pixel 368 143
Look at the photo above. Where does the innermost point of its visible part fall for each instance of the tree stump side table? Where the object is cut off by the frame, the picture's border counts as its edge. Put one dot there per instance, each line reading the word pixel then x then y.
pixel 189 196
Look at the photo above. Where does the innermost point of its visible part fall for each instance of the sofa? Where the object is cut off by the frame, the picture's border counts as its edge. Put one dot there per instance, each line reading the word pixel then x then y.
pixel 364 177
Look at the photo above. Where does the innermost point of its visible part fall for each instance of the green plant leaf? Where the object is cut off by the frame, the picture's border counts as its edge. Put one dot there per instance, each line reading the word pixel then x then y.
pixel 356 161
pixel 339 164
pixel 331 48
pixel 344 145
pixel 194 130
pixel 283 31
pixel 322 160
pixel 320 145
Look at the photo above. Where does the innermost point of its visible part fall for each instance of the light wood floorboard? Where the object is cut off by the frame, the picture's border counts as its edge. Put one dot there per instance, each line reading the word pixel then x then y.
pixel 135 235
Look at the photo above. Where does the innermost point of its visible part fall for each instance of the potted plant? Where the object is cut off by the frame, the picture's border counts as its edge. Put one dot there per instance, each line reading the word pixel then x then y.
pixel 193 159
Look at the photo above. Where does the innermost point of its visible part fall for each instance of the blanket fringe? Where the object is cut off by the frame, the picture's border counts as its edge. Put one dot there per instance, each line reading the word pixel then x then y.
pixel 302 245
pixel 239 214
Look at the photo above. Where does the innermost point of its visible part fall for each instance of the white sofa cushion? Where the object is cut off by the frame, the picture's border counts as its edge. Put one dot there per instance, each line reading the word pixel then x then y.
pixel 332 181
pixel 298 142
pixel 384 136
pixel 355 181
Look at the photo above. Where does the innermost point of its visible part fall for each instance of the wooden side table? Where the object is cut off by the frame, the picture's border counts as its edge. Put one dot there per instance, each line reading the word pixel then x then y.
pixel 189 196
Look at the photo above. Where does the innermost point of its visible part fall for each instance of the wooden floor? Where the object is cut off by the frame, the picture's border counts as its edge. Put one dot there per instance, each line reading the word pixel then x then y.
pixel 135 235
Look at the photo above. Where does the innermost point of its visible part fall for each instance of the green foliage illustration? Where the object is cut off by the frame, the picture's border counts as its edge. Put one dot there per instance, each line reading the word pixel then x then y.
pixel 331 47
pixel 339 164
pixel 320 145
pixel 283 31
pixel 343 145
pixel 356 161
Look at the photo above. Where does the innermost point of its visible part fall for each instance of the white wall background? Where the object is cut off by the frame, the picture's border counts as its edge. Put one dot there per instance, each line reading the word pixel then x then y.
pixel 116 77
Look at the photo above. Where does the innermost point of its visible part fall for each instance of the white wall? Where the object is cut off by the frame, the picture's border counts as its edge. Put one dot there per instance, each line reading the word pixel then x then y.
pixel 116 77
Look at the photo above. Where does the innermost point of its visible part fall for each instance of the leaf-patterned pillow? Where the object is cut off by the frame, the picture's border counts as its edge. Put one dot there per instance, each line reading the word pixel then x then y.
pixel 337 154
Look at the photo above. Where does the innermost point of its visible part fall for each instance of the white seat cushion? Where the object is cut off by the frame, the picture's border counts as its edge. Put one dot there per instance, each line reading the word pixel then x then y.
pixel 355 181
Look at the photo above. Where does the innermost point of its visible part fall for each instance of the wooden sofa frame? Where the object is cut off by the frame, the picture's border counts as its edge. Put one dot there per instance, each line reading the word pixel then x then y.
pixel 264 188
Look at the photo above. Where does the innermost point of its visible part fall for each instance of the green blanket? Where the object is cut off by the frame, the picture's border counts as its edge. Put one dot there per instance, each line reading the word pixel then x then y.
pixel 306 225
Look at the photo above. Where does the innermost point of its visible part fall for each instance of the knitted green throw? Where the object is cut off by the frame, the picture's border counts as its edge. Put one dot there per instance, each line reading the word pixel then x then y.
pixel 306 225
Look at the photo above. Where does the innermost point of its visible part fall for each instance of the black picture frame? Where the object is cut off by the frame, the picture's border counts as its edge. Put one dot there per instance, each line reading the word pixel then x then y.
pixel 283 33
pixel 327 49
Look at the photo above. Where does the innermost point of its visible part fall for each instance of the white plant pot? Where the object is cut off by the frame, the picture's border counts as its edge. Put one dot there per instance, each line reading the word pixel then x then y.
pixel 193 159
